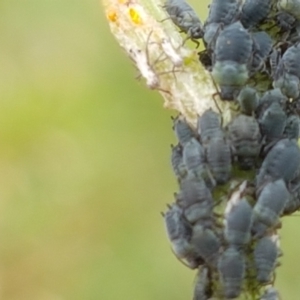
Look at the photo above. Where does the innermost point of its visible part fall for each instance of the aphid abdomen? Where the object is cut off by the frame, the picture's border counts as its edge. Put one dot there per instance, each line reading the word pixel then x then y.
pixel 183 131
pixel 178 166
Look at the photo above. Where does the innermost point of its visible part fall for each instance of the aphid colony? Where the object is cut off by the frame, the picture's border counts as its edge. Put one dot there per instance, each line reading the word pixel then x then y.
pixel 237 181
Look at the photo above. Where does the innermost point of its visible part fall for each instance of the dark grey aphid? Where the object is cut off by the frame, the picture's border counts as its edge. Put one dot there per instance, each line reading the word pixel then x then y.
pixel 238 223
pixel 218 156
pixel 269 97
pixel 185 18
pixel 221 13
pixel 270 294
pixel 245 137
pixel 231 58
pixel 262 46
pixel 291 129
pixel 248 100
pixel 203 285
pixel 194 157
pixel 290 6
pixel 209 126
pixel 195 198
pixel 179 232
pixel 282 161
pixel 254 12
pixel 287 73
pixel 178 166
pixel 183 131
pixel 206 244
pixel 285 21
pixel 273 122
pixel 265 258
pixel 231 268
pixel 271 203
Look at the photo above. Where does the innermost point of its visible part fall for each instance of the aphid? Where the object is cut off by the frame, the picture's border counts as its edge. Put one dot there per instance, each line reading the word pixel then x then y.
pixel 291 129
pixel 206 244
pixel 265 258
pixel 171 53
pixel 203 288
pixel 287 73
pixel 271 203
pixel 248 100
pixel 268 98
pixel 178 166
pixel 231 57
pixel 282 161
pixel 183 131
pixel 231 268
pixel 290 6
pixel 285 21
pixel 293 203
pixel 179 232
pixel 195 198
pixel 244 135
pixel 221 13
pixel 209 126
pixel 270 294
pixel 218 157
pixel 185 18
pixel 238 223
pixel 194 157
pixel 262 46
pixel 254 12
pixel 273 122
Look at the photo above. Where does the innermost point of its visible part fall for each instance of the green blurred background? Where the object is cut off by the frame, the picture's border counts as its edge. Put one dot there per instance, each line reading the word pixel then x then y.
pixel 84 165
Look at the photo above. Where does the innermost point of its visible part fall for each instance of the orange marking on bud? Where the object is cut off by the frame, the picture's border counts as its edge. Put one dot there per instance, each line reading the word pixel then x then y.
pixel 112 16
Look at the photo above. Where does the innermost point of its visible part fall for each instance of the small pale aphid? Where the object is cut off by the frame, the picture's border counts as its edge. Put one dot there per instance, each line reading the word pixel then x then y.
pixel 178 166
pixel 179 232
pixel 218 156
pixel 278 163
pixel 273 122
pixel 182 129
pixel 291 129
pixel 185 18
pixel 195 198
pixel 254 11
pixel 248 100
pixel 287 74
pixel 231 266
pixel 209 126
pixel 203 286
pixel 271 203
pixel 206 244
pixel 265 258
pixel 221 13
pixel 171 53
pixel 245 137
pixel 238 223
pixel 232 54
pixel 270 294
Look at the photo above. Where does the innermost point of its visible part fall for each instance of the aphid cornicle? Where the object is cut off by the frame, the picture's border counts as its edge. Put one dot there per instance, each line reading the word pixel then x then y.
pixel 195 198
pixel 231 58
pixel 245 137
pixel 185 18
pixel 254 11
pixel 248 100
pixel 270 294
pixel 238 223
pixel 265 258
pixel 231 268
pixel 206 244
pixel 221 13
pixel 202 290
pixel 287 74
pixel 178 166
pixel 183 131
pixel 271 203
pixel 278 163
pixel 209 126
pixel 179 232
pixel 218 156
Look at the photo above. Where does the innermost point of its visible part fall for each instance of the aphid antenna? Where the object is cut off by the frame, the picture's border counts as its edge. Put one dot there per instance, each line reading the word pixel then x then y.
pixel 183 262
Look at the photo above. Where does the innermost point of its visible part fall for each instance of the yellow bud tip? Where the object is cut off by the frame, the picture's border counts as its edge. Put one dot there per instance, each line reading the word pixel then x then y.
pixel 112 16
pixel 135 17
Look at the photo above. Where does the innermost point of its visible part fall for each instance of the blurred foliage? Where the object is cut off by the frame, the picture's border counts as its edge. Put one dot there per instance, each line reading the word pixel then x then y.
pixel 84 165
